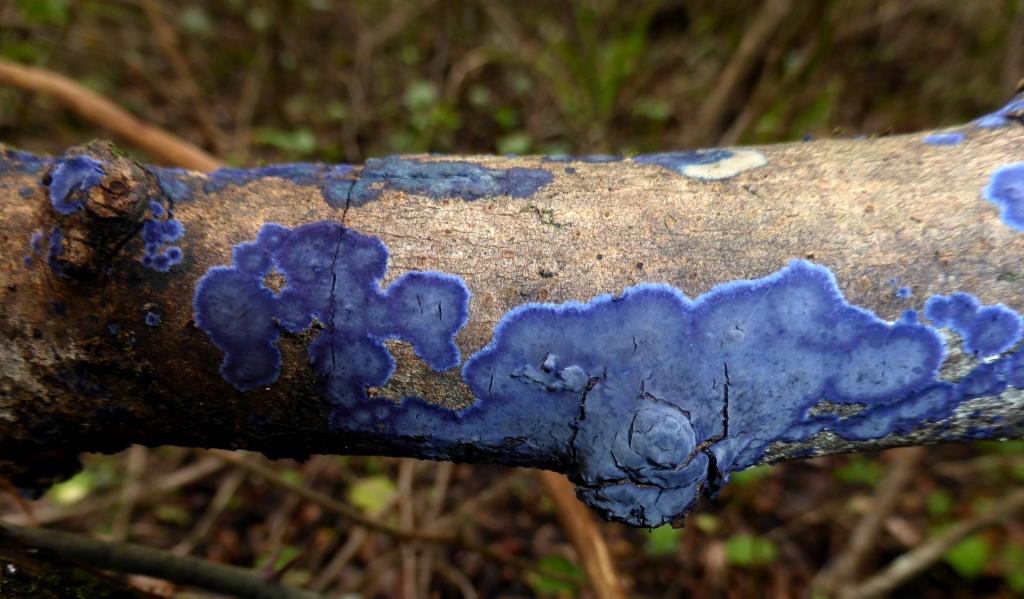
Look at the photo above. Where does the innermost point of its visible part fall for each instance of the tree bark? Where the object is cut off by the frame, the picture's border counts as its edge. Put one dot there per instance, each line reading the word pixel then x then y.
pixel 126 317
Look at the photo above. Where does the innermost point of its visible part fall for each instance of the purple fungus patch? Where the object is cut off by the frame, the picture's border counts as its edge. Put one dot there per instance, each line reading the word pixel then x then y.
pixel 54 251
pixel 950 138
pixel 676 161
pixel 157 235
pixel 445 179
pixel 591 158
pixel 152 319
pixel 658 396
pixel 904 292
pixel 986 330
pixel 71 180
pixel 19 161
pixel 1006 189
pixel 178 184
pixel 1003 116
pixel 332 276
pixel 26 192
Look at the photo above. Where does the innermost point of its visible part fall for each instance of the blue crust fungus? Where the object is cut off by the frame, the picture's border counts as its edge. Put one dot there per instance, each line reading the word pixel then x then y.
pixel 71 180
pixel 944 138
pixel 985 330
pixel 709 165
pixel 1011 111
pixel 1006 189
pixel 444 179
pixel 334 181
pixel 331 276
pixel 669 394
pixel 159 231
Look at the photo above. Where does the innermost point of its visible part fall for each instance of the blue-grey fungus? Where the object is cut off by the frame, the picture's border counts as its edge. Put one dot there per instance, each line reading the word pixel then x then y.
pixel 157 235
pixel 54 251
pixel 946 138
pixel 616 377
pixel 152 319
pixel 178 184
pixel 591 158
pixel 904 292
pixel 570 170
pixel 71 179
pixel 24 162
pixel 36 241
pixel 332 276
pixel 986 330
pixel 113 328
pixel 27 261
pixel 709 165
pixel 1006 189
pixel 156 208
pixel 807 137
pixel 1003 116
pixel 26 192
pixel 445 179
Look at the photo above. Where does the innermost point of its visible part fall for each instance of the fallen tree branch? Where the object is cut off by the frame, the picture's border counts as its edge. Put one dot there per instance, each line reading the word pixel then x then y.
pixel 248 308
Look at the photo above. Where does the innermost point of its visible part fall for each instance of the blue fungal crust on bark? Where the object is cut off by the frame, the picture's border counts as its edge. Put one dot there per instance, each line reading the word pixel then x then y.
pixel 157 235
pixel 332 276
pixel 71 180
pixel 1006 189
pixel 334 180
pixel 1003 116
pixel 668 395
pixel 444 179
pixel 591 158
pixel 709 165
pixel 947 138
pixel 985 330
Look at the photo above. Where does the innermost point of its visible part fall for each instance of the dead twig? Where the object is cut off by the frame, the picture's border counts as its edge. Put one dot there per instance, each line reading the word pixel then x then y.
pixel 160 144
pixel 913 562
pixel 578 524
pixel 843 568
pixel 137 559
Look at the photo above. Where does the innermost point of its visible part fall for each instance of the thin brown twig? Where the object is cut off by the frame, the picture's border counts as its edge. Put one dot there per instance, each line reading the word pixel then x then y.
pixel 913 562
pixel 755 39
pixel 578 524
pixel 152 488
pixel 137 458
pixel 138 559
pixel 844 567
pixel 94 107
pixel 356 517
pixel 201 531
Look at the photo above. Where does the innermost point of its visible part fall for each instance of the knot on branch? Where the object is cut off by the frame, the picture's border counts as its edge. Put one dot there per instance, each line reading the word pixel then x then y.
pixel 97 200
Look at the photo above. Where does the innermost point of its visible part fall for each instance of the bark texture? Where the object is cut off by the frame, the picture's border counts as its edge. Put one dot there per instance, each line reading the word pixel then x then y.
pixel 101 348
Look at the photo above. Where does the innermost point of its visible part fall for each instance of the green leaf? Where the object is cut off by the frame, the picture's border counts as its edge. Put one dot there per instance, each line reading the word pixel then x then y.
pixel 707 523
pixel 301 141
pixel 859 471
pixel 514 143
pixel 74 489
pixel 420 95
pixel 372 493
pixel 45 12
pixel 546 587
pixel 662 541
pixel 969 557
pixel 1013 567
pixel 746 550
pixel 940 503
pixel 745 478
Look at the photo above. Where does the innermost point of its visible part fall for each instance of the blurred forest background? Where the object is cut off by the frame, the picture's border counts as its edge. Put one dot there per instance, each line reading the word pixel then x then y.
pixel 255 81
